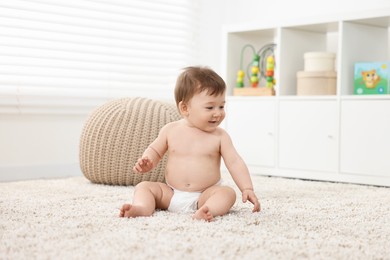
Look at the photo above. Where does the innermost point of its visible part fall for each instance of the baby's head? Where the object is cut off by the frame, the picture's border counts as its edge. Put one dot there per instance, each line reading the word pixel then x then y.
pixel 194 80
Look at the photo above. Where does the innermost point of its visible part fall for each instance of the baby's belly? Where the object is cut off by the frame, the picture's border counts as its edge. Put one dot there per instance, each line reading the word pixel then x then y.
pixel 191 177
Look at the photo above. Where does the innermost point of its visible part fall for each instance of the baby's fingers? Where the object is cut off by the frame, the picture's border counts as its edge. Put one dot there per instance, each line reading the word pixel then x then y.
pixel 256 207
pixel 137 168
pixel 244 197
pixel 138 165
pixel 145 160
pixel 256 204
pixel 251 196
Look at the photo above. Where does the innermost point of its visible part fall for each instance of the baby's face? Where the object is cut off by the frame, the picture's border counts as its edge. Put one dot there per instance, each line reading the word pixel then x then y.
pixel 206 112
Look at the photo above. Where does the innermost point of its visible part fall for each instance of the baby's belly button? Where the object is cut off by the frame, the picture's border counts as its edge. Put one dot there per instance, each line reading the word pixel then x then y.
pixel 188 185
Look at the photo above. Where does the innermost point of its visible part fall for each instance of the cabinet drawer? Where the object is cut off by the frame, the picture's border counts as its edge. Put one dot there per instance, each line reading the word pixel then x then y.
pixel 365 137
pixel 308 135
pixel 251 125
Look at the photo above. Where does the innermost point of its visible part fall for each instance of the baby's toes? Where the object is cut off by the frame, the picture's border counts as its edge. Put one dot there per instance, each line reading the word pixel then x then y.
pixel 125 208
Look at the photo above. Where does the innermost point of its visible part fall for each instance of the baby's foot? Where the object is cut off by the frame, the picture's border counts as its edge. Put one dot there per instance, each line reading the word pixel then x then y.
pixel 203 213
pixel 128 211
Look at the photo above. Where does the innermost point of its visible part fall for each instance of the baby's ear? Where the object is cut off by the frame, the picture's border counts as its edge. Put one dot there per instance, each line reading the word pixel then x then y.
pixel 183 108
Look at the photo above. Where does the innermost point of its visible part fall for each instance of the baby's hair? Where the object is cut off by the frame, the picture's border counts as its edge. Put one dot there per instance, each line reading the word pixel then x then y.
pixel 194 80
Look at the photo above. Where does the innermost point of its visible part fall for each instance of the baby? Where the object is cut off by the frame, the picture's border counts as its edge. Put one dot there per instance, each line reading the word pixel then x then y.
pixel 195 145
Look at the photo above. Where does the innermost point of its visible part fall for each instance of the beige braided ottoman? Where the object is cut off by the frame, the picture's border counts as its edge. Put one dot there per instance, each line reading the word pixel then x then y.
pixel 115 136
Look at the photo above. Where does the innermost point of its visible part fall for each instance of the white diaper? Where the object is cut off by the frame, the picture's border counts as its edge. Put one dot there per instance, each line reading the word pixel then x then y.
pixel 184 201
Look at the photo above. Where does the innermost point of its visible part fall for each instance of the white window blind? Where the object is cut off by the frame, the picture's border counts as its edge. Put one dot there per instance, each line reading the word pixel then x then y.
pixel 60 54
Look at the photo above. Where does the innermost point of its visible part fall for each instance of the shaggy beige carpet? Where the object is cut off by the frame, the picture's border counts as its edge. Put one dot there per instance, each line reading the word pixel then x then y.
pixel 75 219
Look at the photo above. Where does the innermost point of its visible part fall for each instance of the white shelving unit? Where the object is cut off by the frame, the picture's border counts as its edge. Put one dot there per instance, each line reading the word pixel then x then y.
pixel 340 137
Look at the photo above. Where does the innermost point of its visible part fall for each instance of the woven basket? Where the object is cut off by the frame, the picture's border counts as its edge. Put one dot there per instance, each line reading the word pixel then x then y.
pixel 115 136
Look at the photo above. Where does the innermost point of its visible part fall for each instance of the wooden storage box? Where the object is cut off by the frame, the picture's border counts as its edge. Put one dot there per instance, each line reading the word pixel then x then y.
pixel 319 61
pixel 249 91
pixel 316 83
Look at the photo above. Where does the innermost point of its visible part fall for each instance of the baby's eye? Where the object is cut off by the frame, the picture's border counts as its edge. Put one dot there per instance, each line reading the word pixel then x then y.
pixel 221 107
pixel 209 108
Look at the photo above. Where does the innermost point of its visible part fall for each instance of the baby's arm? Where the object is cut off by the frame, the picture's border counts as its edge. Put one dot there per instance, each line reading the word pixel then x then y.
pixel 153 154
pixel 239 171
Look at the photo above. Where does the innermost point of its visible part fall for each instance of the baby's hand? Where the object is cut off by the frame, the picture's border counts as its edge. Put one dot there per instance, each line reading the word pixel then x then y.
pixel 251 196
pixel 143 165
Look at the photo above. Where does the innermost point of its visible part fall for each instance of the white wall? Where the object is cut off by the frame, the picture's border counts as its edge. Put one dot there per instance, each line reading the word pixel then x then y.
pixel 35 146
pixel 39 146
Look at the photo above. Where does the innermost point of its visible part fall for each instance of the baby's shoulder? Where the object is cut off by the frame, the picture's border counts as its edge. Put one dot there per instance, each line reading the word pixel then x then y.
pixel 223 134
pixel 220 131
pixel 171 126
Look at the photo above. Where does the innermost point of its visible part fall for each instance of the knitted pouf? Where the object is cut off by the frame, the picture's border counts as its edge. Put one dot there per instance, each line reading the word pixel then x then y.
pixel 115 136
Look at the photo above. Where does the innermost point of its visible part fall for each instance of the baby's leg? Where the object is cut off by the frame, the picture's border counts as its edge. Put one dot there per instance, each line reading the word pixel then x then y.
pixel 148 196
pixel 215 201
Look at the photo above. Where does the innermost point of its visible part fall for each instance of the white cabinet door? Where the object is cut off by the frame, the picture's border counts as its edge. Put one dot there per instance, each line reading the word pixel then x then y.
pixel 365 137
pixel 251 124
pixel 308 135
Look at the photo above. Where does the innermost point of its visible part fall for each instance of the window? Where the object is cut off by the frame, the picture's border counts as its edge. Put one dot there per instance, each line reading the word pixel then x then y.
pixel 57 55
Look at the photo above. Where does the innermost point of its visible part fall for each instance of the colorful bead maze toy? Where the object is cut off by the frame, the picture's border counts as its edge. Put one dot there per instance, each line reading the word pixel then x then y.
pixel 259 70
